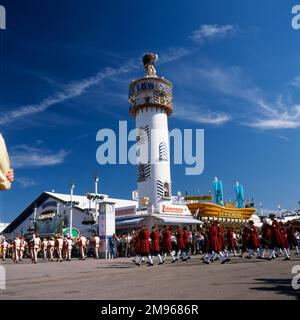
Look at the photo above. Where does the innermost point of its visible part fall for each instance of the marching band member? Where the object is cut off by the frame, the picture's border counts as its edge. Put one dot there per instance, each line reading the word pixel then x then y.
pixel 266 238
pixel 59 243
pixel 36 246
pixel 277 242
pixel 253 242
pixel 222 243
pixel 96 245
pixel 245 240
pixel 4 247
pixel 144 246
pixel 180 244
pixel 16 249
pixel 23 247
pixel 293 243
pixel 51 247
pixel 136 246
pixel 167 244
pixel 213 244
pixel 69 247
pixel 155 250
pixel 285 242
pixel 82 243
pixel 230 241
pixel 45 248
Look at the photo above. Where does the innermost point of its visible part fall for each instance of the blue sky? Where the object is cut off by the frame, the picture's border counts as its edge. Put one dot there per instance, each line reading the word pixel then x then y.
pixel 65 69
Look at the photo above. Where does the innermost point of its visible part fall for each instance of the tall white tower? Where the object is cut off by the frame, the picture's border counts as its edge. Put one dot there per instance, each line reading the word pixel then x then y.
pixel 150 101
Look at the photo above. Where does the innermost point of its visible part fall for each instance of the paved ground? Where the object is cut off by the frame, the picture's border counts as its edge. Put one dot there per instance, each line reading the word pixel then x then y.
pixel 121 279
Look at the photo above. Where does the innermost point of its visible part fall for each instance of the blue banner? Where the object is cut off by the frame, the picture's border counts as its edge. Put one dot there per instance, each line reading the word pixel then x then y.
pixel 218 192
pixel 239 195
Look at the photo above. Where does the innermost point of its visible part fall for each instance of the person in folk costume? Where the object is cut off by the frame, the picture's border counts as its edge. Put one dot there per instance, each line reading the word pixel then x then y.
pixel 285 240
pixel 245 240
pixel 144 246
pixel 16 245
pixel 136 246
pixel 266 238
pixel 4 247
pixel 69 247
pixel 36 247
pixel 291 237
pixel 205 235
pixel 187 243
pixel 96 245
pixel 222 242
pixel 82 243
pixel 230 240
pixel 155 249
pixel 277 242
pixel 253 242
pixel 167 244
pixel 65 248
pixel 23 247
pixel 213 244
pixel 51 247
pixel 59 244
pixel 45 248
pixel 180 244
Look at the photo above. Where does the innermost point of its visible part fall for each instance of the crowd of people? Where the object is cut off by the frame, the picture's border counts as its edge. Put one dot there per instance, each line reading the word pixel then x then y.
pixel 212 241
pixel 57 248
pixel 272 238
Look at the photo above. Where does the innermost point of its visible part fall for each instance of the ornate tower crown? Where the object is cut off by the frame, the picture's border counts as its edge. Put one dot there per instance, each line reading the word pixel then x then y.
pixel 150 91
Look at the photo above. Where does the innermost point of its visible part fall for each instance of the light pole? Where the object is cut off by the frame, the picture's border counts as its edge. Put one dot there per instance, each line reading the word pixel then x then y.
pixel 71 204
pixel 96 180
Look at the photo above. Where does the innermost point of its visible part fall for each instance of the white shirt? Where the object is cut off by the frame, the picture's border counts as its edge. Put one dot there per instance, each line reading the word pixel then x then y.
pixel 83 240
pixel 60 242
pixel 97 240
pixel 51 243
pixel 36 241
pixel 4 244
pixel 69 243
pixel 17 243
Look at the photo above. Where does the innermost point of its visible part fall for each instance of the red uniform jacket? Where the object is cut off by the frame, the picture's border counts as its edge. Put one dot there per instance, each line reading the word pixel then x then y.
pixel 180 243
pixel 245 237
pixel 291 236
pixel 254 238
pixel 166 241
pixel 276 235
pixel 221 238
pixel 186 236
pixel 230 240
pixel 154 241
pixel 213 241
pixel 284 238
pixel 136 244
pixel 144 241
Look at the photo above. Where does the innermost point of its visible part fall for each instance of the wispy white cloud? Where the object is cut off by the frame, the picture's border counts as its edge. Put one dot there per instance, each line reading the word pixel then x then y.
pixel 250 105
pixel 296 82
pixel 71 90
pixel 25 182
pixel 24 156
pixel 172 54
pixel 202 115
pixel 213 31
pixel 77 88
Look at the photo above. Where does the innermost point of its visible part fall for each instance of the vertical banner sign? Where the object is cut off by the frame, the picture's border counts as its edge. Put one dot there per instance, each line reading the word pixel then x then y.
pixel 218 191
pixel 239 195
pixel 107 227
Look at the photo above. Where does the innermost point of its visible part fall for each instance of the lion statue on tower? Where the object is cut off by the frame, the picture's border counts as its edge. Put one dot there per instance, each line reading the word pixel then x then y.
pixel 148 60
